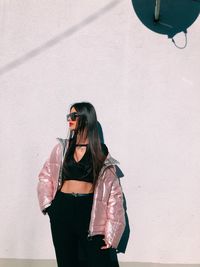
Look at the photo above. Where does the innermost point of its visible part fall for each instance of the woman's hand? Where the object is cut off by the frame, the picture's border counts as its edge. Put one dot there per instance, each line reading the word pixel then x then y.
pixel 106 245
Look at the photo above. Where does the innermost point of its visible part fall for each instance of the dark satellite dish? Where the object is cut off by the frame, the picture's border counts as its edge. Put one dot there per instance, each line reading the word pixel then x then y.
pixel 167 16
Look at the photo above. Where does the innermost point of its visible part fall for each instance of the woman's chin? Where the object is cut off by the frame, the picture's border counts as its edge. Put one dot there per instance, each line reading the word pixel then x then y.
pixel 71 128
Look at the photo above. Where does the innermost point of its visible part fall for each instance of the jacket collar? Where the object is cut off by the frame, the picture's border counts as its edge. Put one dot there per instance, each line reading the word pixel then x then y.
pixel 62 141
pixel 110 161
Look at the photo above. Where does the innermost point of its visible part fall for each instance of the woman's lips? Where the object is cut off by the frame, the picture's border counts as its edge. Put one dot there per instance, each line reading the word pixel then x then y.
pixel 71 123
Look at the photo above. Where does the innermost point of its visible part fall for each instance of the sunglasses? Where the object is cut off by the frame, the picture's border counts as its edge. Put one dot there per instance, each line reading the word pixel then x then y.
pixel 72 116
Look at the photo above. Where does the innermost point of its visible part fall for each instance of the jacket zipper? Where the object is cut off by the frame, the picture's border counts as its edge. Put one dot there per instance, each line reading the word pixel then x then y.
pixel 90 231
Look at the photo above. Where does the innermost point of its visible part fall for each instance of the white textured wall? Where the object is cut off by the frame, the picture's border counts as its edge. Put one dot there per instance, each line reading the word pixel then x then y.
pixel 147 97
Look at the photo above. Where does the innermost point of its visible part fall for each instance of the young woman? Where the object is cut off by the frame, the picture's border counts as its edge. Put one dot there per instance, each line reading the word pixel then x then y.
pixel 80 191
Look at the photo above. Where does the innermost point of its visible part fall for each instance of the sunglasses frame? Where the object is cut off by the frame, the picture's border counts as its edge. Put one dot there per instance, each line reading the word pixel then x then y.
pixel 73 116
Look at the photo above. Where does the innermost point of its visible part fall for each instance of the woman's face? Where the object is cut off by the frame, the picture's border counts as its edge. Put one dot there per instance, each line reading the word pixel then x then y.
pixel 72 123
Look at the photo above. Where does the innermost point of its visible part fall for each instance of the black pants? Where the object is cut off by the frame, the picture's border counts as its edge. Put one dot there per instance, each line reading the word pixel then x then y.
pixel 70 217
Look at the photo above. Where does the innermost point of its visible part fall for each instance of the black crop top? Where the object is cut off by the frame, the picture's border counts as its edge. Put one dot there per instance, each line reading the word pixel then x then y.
pixel 81 170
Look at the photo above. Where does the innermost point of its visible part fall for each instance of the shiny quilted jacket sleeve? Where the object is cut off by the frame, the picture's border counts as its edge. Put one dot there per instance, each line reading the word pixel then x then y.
pixel 47 179
pixel 115 213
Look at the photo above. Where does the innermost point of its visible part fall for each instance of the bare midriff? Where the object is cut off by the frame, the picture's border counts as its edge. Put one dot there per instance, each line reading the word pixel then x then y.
pixel 74 186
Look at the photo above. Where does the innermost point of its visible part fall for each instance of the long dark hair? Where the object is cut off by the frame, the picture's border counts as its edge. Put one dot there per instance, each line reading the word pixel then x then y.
pixel 88 125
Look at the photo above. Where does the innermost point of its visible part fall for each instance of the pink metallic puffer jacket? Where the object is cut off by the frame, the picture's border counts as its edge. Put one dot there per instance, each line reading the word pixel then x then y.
pixel 107 215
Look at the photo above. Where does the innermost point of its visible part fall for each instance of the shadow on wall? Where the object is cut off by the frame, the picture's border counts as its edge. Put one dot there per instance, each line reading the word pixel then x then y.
pixel 57 39
pixel 125 237
pixel 174 15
